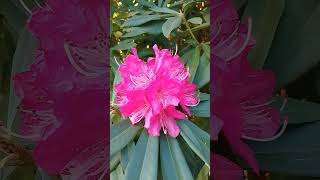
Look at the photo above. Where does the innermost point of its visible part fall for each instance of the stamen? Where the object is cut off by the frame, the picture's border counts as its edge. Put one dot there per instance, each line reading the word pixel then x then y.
pixel 228 38
pixel 284 104
pixel 74 64
pixel 176 49
pixel 256 106
pixel 245 42
pixel 115 59
pixel 25 7
pixel 284 126
pixel 4 161
pixel 37 3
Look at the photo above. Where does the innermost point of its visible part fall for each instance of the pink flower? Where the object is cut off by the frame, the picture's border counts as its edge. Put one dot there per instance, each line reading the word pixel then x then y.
pixel 152 90
pixel 241 94
pixel 63 95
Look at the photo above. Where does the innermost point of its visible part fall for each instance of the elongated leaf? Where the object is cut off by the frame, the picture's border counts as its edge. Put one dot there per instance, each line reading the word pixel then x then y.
pixel 124 45
pixel 200 146
pixel 114 161
pixel 150 28
pixel 140 19
pixel 295 46
pixel 126 154
pixel 171 24
pixel 195 20
pixel 295 152
pixel 117 174
pixel 298 111
pixel 202 76
pixel 165 10
pixel 266 16
pixel 202 110
pixel 193 160
pixel 121 134
pixel 193 63
pixel 144 162
pixel 16 18
pixel 204 173
pixel 188 55
pixel 204 96
pixel 146 3
pixel 206 49
pixel 173 163
pixel 23 57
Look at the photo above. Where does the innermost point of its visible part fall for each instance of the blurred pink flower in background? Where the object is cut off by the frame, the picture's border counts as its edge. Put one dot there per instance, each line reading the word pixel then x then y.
pixel 241 95
pixel 152 90
pixel 64 94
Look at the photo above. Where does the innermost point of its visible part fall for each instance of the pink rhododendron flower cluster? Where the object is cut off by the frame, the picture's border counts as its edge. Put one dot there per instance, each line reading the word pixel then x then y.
pixel 241 95
pixel 63 95
pixel 152 90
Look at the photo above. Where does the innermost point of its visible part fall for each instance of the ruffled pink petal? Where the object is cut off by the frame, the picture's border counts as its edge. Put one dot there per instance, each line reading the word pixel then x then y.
pixel 155 126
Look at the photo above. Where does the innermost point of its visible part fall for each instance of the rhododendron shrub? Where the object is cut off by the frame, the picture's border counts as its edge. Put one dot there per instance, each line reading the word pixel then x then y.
pixel 160 99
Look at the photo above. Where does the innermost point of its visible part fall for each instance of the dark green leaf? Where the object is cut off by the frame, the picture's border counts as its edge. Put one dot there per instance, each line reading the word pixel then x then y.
pixel 173 163
pixel 171 24
pixel 200 146
pixel 165 10
pixel 266 16
pixel 121 134
pixel 144 163
pixel 193 63
pixel 298 111
pixel 114 161
pixel 126 154
pixel 23 57
pixel 124 45
pixel 202 110
pixel 140 19
pixel 295 46
pixel 16 18
pixel 202 76
pixel 195 20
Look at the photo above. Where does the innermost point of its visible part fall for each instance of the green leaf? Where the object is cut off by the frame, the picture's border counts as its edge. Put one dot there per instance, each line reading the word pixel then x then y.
pixel 204 173
pixel 173 163
pixel 23 57
pixel 140 19
pixel 193 161
pixel 165 10
pixel 25 172
pixel 295 47
pixel 195 20
pixel 295 152
pixel 144 162
pixel 146 3
pixel 202 110
pixel 266 16
pixel 204 96
pixel 206 49
pixel 298 111
pixel 117 174
pixel 193 63
pixel 124 45
pixel 115 81
pixel 171 24
pixel 202 76
pixel 126 154
pixel 186 56
pixel 153 28
pixel 121 134
pixel 114 161
pixel 199 140
pixel 16 18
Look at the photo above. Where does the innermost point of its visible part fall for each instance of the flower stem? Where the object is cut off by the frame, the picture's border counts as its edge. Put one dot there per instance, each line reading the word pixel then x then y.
pixel 189 29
